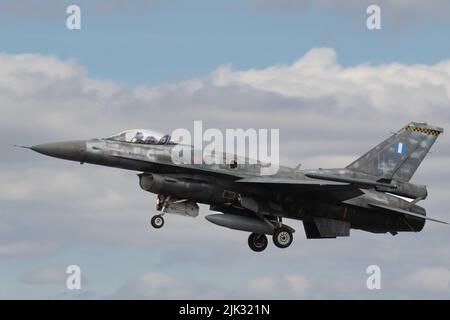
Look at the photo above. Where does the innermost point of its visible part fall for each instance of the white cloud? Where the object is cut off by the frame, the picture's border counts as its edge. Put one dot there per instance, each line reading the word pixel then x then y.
pixel 278 287
pixel 382 88
pixel 160 285
pixel 26 249
pixel 327 113
pixel 427 279
pixel 153 285
pixel 58 99
pixel 49 275
pixel 157 285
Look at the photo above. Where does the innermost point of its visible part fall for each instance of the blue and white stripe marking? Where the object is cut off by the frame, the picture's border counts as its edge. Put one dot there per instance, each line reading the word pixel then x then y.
pixel 400 148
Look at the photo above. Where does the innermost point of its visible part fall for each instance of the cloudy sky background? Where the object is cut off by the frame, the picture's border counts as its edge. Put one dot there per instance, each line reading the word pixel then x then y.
pixel 309 68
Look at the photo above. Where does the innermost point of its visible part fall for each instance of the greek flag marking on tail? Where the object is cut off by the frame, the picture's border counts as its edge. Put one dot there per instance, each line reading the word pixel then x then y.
pixel 400 148
pixel 399 156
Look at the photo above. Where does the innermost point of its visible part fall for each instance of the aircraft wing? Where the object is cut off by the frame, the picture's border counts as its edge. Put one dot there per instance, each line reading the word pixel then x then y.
pixel 294 182
pixel 164 167
pixel 404 212
pixel 335 189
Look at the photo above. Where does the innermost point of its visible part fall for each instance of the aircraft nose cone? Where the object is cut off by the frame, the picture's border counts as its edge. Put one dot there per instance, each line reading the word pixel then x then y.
pixel 69 150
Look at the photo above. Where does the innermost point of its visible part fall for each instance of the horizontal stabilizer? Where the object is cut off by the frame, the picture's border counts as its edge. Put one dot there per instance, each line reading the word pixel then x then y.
pixel 321 228
pixel 404 212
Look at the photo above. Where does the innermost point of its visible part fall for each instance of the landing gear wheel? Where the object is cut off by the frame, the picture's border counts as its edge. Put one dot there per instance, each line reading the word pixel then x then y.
pixel 282 237
pixel 257 242
pixel 157 221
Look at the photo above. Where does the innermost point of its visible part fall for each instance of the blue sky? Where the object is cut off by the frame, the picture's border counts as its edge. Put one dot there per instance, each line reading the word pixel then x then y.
pixel 294 66
pixel 173 40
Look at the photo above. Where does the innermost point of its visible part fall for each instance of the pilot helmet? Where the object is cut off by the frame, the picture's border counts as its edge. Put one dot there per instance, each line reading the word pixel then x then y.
pixel 139 135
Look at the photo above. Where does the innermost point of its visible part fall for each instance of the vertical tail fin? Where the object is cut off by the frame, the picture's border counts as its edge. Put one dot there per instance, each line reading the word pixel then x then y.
pixel 399 156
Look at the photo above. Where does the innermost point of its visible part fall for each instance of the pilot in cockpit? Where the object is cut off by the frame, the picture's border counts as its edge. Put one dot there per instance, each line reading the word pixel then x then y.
pixel 150 140
pixel 142 136
pixel 139 137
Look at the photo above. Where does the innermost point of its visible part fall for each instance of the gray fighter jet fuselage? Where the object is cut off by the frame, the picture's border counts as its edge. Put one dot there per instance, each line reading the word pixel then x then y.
pixel 369 194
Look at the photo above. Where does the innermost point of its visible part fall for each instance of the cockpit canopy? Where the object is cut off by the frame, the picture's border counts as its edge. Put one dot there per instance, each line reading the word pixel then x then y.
pixel 143 136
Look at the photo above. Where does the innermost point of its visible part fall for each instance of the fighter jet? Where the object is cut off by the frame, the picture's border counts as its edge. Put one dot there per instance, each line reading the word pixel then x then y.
pixel 373 193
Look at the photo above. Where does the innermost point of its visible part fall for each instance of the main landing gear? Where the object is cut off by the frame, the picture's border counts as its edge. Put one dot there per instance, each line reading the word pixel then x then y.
pixel 257 242
pixel 282 238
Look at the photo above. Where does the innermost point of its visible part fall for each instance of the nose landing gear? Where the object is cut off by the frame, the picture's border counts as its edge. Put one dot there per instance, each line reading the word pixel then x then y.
pixel 157 221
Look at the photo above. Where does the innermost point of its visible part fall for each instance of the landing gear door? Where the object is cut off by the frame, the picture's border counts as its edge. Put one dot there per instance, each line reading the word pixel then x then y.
pixel 177 206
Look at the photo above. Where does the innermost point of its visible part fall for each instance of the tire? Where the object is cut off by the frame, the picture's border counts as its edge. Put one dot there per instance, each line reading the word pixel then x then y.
pixel 257 242
pixel 157 221
pixel 282 238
